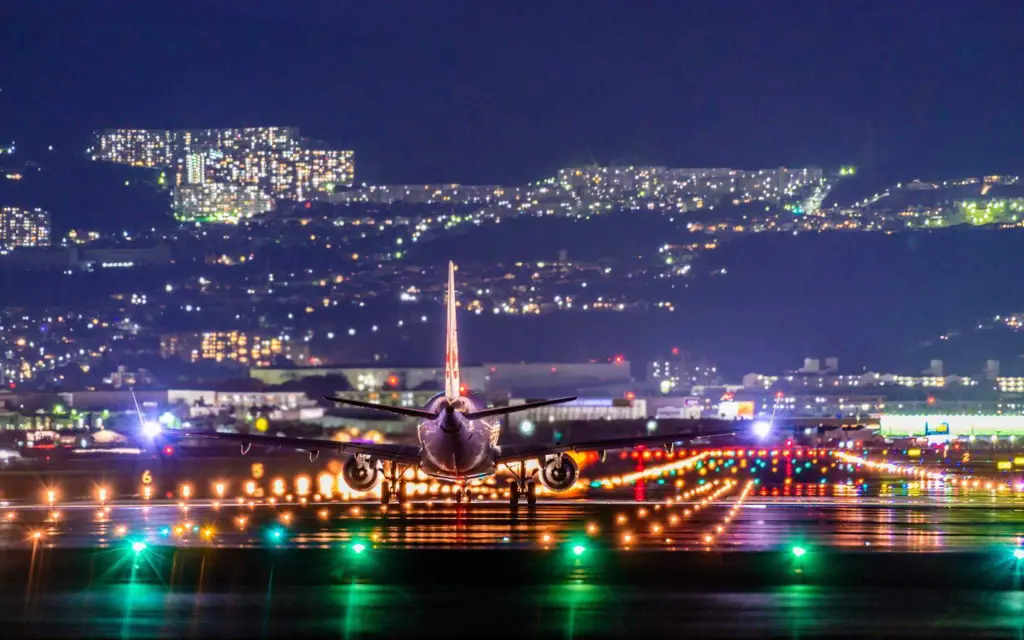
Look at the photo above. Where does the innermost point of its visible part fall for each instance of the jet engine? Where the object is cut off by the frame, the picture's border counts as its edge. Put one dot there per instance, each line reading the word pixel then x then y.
pixel 361 473
pixel 559 472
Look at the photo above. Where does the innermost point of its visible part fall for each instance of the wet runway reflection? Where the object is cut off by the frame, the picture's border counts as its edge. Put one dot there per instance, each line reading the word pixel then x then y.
pixel 564 610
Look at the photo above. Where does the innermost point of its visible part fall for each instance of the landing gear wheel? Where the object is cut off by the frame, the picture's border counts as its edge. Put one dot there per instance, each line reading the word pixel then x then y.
pixel 401 492
pixel 513 493
pixel 457 494
pixel 385 492
pixel 531 493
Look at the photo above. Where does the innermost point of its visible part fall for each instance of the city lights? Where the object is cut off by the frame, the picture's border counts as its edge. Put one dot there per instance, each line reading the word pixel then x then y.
pixel 23 228
pixel 229 175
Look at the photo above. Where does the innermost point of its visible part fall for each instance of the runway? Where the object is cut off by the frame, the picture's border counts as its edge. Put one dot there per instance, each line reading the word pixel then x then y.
pixel 933 524
pixel 720 554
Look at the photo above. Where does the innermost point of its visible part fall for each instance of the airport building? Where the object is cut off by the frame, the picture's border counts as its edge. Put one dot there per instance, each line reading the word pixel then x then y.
pixel 943 426
pixel 492 379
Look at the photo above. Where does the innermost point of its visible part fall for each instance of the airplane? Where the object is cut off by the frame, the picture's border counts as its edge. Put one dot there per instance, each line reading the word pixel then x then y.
pixel 458 439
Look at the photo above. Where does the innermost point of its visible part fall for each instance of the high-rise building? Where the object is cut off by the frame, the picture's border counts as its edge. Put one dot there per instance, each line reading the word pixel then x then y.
pixel 273 161
pixel 251 349
pixel 23 228
pixel 218 202
pixel 195 169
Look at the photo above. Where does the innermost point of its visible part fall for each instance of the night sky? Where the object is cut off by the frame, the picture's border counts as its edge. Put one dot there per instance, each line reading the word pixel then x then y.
pixel 506 92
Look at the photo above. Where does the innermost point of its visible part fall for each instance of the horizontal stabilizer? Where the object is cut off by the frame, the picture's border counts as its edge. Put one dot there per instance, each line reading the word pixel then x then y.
pixel 402 411
pixel 499 411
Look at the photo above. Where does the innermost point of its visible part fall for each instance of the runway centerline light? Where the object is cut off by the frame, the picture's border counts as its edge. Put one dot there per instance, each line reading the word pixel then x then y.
pixel 579 549
pixel 358 547
pixel 138 546
pixel 799 552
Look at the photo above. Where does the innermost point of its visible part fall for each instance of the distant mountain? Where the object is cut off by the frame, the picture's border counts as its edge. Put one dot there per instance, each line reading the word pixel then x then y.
pixel 869 298
pixel 964 352
pixel 617 236
pixel 848 193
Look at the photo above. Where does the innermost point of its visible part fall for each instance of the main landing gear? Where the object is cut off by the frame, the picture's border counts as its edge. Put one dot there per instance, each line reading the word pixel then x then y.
pixel 522 485
pixel 394 485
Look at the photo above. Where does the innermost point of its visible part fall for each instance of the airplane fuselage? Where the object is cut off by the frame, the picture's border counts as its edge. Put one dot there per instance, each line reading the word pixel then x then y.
pixel 453 447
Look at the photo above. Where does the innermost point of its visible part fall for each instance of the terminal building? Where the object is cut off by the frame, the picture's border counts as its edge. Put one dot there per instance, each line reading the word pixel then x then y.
pixel 491 379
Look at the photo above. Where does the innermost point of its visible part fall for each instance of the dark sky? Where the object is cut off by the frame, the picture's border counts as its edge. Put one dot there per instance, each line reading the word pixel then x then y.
pixel 482 91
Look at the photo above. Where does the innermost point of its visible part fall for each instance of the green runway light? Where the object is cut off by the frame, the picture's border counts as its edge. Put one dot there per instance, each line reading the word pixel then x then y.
pixel 276 534
pixel 138 546
pixel 579 549
pixel 799 552
pixel 358 547
pixel 1018 554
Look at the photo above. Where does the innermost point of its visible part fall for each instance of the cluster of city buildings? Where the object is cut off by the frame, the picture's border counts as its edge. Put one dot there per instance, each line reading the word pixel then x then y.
pixel 596 188
pixel 227 175
pixel 21 227
pixel 989 200
pixel 245 348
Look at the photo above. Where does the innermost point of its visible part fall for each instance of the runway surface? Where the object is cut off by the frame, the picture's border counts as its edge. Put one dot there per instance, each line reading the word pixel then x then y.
pixel 715 556
pixel 929 523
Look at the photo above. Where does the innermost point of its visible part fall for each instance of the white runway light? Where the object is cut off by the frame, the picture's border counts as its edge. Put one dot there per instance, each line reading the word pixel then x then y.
pixel 762 429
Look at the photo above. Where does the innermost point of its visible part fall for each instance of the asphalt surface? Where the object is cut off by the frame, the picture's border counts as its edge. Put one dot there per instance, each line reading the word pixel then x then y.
pixel 881 556
pixel 923 523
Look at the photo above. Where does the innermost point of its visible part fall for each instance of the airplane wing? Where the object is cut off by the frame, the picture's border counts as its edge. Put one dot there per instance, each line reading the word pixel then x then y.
pixel 404 453
pixel 402 411
pixel 517 452
pixel 515 408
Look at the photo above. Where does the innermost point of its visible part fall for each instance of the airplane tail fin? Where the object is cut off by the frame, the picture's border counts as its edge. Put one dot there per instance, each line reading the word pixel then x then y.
pixel 498 411
pixel 452 382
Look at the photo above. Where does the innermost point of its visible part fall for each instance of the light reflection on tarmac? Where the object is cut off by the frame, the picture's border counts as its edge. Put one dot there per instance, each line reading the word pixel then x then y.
pixel 564 611
pixel 164 592
pixel 920 523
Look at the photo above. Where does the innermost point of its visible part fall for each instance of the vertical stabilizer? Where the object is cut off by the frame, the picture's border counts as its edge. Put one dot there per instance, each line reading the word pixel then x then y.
pixel 452 384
